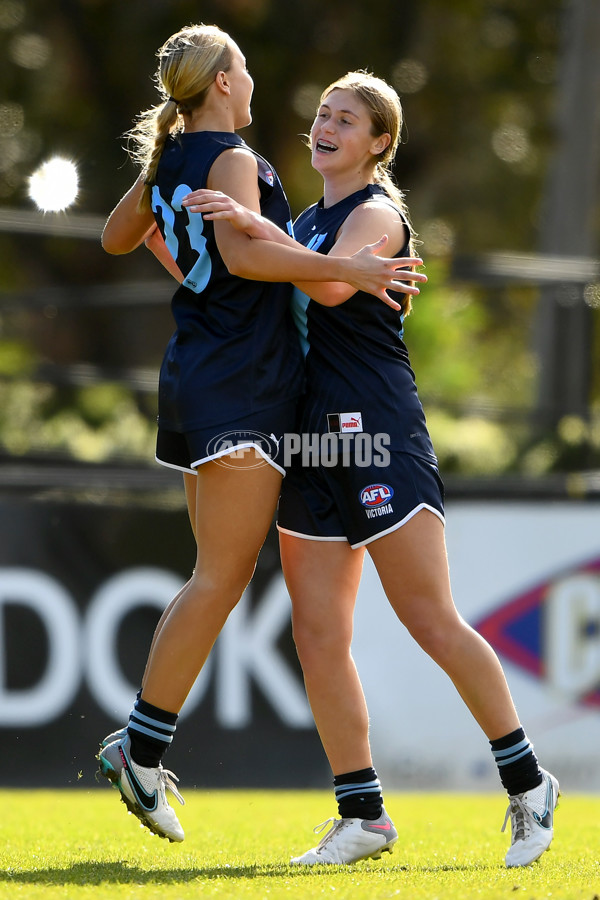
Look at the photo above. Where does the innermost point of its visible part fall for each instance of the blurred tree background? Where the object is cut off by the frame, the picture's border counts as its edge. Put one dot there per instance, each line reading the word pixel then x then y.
pixel 82 333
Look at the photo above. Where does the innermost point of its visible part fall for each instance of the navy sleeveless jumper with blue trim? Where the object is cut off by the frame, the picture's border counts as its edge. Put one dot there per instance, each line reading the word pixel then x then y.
pixel 235 350
pixel 356 359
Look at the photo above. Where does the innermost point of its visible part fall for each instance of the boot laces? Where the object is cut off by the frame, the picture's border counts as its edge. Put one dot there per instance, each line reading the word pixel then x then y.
pixel 520 819
pixel 169 780
pixel 336 824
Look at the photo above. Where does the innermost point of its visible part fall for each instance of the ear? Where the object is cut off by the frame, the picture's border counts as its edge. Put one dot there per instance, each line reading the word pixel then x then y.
pixel 381 143
pixel 222 82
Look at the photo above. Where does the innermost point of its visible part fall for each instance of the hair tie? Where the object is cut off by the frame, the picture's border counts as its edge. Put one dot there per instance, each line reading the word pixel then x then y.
pixel 173 100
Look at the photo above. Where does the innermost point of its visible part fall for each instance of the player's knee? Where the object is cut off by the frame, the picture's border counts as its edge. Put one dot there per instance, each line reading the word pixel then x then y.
pixel 228 582
pixel 318 640
pixel 435 636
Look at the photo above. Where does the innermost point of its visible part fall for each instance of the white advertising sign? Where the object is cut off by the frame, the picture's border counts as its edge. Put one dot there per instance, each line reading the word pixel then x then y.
pixel 527 575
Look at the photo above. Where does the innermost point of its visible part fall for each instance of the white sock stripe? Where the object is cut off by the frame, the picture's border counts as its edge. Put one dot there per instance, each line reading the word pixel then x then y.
pixel 507 762
pixel 341 790
pixel 165 738
pixel 509 751
pixel 156 723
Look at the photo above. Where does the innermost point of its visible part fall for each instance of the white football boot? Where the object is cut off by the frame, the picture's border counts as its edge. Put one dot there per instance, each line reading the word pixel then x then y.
pixel 531 820
pixel 349 840
pixel 142 789
pixel 113 736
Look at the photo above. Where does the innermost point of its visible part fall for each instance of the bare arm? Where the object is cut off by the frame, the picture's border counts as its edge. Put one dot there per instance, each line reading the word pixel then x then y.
pixel 215 205
pixel 362 227
pixel 155 242
pixel 268 260
pixel 126 228
pixel 218 206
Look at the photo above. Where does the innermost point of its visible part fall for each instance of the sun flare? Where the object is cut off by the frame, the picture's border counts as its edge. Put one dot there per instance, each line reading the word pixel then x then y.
pixel 54 185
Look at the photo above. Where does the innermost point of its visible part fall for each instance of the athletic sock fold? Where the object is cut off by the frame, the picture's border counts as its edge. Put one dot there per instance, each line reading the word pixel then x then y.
pixel 517 763
pixel 358 794
pixel 150 730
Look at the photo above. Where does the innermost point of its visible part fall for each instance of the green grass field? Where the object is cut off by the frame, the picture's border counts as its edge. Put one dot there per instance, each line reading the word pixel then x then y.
pixel 83 844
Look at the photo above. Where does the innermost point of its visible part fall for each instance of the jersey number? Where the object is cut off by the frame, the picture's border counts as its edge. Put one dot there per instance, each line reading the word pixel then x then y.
pixel 198 276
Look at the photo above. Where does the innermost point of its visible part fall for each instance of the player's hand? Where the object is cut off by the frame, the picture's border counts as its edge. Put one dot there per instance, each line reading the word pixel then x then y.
pixel 376 275
pixel 217 205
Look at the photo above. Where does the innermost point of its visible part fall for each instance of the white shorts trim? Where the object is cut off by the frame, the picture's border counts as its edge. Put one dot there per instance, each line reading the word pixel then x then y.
pixel 375 537
pixel 310 537
pixel 229 452
pixel 173 466
pixel 402 522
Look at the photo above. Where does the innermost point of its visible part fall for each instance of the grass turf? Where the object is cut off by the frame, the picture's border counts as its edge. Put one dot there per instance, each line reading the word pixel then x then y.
pixel 83 844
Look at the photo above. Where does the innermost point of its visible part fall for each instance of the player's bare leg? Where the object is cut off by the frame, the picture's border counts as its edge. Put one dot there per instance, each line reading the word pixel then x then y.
pixel 323 580
pixel 189 481
pixel 413 568
pixel 235 500
pixel 231 508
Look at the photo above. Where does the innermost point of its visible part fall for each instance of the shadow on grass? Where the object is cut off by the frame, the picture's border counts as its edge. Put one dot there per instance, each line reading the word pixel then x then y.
pixel 122 873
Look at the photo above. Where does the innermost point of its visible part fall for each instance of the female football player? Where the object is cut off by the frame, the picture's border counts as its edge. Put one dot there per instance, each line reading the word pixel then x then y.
pixel 359 383
pixel 232 367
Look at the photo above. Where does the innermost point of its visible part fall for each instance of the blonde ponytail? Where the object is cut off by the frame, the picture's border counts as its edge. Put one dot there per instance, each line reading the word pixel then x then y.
pixel 188 65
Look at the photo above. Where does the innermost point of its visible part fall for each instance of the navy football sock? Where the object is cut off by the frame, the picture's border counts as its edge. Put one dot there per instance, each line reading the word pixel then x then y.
pixel 151 731
pixel 358 794
pixel 517 763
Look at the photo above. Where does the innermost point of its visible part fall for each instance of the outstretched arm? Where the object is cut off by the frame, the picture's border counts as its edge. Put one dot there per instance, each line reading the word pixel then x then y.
pixel 218 206
pixel 363 225
pixel 283 259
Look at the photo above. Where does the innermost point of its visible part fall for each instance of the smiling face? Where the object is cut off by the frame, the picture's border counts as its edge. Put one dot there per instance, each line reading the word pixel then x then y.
pixel 341 138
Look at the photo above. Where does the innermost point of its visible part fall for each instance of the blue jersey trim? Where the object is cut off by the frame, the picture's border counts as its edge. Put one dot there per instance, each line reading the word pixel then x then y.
pixel 300 302
pixel 316 240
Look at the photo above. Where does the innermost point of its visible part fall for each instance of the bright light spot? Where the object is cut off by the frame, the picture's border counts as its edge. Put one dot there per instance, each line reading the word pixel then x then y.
pixel 409 76
pixel 31 51
pixel 511 143
pixel 54 185
pixel 438 237
pixel 591 295
pixel 306 100
pixel 572 429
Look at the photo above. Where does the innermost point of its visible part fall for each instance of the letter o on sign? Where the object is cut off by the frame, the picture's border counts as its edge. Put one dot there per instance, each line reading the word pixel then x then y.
pixel 52 695
pixel 108 607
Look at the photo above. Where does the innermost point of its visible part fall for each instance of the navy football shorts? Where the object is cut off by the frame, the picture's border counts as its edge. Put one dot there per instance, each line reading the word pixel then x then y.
pixel 357 504
pixel 259 434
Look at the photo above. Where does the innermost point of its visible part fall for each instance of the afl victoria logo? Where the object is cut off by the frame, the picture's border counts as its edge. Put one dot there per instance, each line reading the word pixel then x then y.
pixel 375 495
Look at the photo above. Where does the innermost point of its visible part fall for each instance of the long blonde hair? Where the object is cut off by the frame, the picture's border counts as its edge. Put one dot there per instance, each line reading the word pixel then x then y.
pixel 385 111
pixel 188 65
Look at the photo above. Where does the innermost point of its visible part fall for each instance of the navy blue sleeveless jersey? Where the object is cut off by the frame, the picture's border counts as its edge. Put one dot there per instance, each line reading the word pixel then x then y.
pixel 235 350
pixel 358 372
